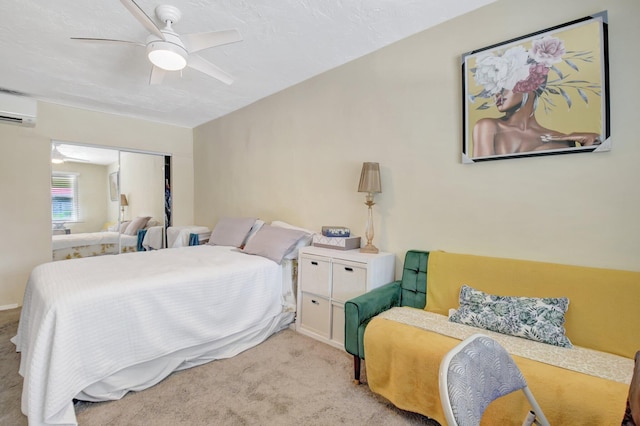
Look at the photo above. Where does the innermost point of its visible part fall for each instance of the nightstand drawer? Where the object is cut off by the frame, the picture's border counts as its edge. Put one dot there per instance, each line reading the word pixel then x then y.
pixel 315 275
pixel 327 278
pixel 315 311
pixel 337 323
pixel 349 280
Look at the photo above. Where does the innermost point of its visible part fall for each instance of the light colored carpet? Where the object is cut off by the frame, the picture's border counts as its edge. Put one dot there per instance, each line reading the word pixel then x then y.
pixel 290 379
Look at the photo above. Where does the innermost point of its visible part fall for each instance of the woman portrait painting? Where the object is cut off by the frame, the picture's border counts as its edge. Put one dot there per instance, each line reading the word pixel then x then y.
pixel 540 95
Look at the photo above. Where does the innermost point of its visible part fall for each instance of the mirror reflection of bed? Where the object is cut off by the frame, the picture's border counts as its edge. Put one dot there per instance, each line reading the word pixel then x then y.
pixel 107 201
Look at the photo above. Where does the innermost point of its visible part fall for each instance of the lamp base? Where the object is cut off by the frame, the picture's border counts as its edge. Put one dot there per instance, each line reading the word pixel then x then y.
pixel 369 248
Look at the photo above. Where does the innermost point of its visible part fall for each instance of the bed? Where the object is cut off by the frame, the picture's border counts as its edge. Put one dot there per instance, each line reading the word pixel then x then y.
pixel 96 328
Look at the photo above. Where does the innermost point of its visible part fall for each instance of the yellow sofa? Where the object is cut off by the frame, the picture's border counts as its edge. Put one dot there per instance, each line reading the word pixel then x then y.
pixel 402 360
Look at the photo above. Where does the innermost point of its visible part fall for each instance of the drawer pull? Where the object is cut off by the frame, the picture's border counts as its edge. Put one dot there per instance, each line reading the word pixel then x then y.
pixel 314 263
pixel 315 302
pixel 348 269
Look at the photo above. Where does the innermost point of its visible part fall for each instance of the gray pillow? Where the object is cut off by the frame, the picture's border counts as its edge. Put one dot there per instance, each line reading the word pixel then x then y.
pixel 302 242
pixel 123 226
pixel 273 242
pixel 137 223
pixel 231 231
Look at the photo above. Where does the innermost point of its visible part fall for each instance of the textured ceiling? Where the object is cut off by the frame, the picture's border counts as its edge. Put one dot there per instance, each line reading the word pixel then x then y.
pixel 285 42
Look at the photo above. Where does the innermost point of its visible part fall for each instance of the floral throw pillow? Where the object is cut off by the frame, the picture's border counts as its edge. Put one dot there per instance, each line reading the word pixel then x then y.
pixel 539 319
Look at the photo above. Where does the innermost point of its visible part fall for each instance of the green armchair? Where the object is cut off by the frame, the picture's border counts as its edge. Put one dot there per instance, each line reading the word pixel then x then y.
pixel 409 291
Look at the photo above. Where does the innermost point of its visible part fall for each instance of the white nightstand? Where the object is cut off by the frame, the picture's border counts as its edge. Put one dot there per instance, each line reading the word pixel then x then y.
pixel 326 279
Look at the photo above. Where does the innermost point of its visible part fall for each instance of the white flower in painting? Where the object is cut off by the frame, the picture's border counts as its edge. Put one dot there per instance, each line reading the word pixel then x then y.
pixel 523 71
pixel 502 72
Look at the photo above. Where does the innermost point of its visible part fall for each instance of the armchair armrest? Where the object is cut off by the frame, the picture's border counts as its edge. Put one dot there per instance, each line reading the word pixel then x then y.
pixel 359 311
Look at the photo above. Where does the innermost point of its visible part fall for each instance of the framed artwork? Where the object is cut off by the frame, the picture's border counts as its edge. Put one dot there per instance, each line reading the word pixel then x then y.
pixel 113 186
pixel 540 94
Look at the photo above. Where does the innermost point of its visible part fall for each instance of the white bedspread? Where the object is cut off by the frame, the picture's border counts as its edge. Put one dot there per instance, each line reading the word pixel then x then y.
pixel 86 319
pixel 153 238
pixel 84 239
pixel 91 239
pixel 178 236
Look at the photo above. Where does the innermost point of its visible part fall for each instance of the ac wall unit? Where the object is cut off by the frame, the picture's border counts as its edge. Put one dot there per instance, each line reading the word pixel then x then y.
pixel 19 110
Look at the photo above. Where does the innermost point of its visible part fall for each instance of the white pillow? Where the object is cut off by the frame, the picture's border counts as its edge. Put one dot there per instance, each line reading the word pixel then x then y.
pixel 281 224
pixel 273 242
pixel 152 222
pixel 303 242
pixel 255 228
pixel 231 231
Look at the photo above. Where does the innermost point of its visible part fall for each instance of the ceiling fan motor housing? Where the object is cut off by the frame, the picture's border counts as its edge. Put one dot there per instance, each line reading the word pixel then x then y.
pixel 168 14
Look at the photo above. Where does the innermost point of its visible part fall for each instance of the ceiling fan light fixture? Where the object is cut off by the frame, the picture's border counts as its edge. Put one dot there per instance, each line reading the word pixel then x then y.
pixel 167 56
pixel 56 156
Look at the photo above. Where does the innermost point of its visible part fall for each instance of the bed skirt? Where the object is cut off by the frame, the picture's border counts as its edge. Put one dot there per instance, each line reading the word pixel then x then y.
pixel 144 375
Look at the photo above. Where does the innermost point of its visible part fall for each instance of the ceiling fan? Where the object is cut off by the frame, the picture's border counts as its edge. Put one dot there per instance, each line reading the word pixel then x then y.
pixel 58 157
pixel 169 51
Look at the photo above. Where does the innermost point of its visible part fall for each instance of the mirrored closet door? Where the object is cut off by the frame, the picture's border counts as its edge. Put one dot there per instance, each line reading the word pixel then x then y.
pixel 106 200
pixel 142 200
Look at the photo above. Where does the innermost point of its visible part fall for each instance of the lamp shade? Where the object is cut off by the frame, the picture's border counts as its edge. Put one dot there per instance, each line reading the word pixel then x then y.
pixel 370 178
pixel 123 200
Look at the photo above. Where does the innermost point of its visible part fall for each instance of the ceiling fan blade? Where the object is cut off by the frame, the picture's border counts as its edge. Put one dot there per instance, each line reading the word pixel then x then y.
pixel 107 40
pixel 206 67
pixel 142 17
pixel 157 75
pixel 76 160
pixel 59 157
pixel 199 41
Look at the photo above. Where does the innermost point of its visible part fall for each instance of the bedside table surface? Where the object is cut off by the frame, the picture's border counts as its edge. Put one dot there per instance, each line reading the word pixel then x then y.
pixel 353 255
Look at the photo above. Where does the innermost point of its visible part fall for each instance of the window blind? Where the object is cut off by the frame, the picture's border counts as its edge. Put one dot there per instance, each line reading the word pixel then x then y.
pixel 64 197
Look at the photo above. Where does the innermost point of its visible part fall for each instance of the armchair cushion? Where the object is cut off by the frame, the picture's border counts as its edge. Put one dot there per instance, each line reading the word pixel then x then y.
pixel 414 279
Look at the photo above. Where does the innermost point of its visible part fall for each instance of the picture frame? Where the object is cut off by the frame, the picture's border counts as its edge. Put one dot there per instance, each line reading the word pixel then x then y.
pixel 543 93
pixel 113 186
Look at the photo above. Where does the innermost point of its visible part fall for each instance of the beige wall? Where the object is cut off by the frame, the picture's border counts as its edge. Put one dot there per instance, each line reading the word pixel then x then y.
pixel 26 211
pixel 142 181
pixel 296 156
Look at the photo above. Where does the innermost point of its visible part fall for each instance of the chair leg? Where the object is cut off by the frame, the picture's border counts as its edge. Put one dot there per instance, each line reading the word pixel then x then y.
pixel 356 369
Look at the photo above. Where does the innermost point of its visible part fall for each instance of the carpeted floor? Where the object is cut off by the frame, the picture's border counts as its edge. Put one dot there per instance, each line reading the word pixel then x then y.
pixel 290 379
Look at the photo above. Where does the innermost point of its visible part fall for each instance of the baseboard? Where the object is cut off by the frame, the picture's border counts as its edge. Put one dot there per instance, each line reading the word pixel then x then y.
pixel 7 307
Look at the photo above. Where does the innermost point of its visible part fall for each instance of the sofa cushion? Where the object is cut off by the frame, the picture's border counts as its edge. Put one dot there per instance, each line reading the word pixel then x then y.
pixel 539 319
pixel 403 361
